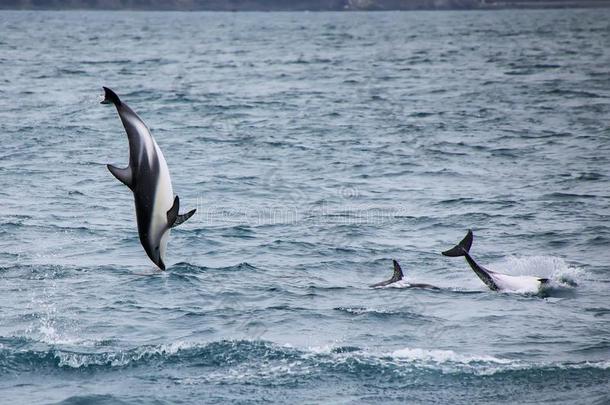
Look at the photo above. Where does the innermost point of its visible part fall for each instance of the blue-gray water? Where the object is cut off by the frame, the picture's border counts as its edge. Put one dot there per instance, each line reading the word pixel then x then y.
pixel 316 147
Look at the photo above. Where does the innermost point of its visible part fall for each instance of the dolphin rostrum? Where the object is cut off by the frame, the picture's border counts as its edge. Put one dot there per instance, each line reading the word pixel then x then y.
pixel 495 281
pixel 147 176
pixel 397 276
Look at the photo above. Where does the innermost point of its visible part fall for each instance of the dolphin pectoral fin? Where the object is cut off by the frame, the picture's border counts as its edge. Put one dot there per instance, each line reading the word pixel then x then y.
pixel 183 217
pixel 123 175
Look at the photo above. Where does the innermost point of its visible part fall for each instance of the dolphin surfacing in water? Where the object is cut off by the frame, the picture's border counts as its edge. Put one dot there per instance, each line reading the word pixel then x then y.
pixel 495 281
pixel 147 175
pixel 398 276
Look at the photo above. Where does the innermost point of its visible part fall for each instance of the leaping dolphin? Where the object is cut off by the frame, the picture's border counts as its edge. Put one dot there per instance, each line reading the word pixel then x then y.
pixel 495 281
pixel 397 276
pixel 147 176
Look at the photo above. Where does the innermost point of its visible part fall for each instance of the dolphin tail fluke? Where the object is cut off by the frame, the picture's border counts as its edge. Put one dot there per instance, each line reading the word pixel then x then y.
pixel 110 97
pixel 173 218
pixel 397 276
pixel 462 248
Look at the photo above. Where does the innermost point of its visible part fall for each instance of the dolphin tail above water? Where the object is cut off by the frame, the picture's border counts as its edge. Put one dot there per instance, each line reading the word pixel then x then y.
pixel 110 97
pixel 495 281
pixel 462 248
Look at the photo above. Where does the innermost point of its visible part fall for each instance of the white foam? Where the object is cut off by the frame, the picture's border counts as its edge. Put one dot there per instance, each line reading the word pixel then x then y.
pixel 601 365
pixel 362 310
pixel 553 268
pixel 50 333
pixel 119 359
pixel 399 284
pixel 444 356
pixel 326 349
pixel 271 371
pixel 538 266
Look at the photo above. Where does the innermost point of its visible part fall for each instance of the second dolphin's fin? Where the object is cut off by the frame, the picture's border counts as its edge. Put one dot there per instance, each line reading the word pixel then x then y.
pixel 123 175
pixel 462 248
pixel 173 218
pixel 397 276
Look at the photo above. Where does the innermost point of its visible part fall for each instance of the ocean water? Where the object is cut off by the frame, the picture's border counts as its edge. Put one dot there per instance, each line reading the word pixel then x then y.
pixel 316 147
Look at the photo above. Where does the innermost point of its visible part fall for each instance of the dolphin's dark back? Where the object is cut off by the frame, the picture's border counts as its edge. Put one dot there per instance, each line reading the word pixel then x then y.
pixel 138 158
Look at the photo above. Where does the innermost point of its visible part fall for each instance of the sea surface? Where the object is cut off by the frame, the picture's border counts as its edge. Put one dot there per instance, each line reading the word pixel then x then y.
pixel 316 147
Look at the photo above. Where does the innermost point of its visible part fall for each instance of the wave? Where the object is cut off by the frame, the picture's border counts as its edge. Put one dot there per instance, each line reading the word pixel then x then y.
pixel 185 267
pixel 381 313
pixel 97 399
pixel 254 360
pixel 44 271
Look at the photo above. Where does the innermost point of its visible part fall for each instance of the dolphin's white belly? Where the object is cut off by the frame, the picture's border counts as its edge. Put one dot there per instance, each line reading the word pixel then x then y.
pixel 164 199
pixel 516 283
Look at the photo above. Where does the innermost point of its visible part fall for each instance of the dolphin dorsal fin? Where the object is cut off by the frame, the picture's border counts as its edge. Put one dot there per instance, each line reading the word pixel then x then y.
pixel 125 175
pixel 397 276
pixel 172 213
pixel 173 218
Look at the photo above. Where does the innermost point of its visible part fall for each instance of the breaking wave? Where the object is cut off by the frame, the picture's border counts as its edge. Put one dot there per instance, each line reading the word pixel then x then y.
pixel 243 359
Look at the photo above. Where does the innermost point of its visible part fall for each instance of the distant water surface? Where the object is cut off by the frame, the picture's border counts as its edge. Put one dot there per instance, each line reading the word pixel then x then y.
pixel 316 148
